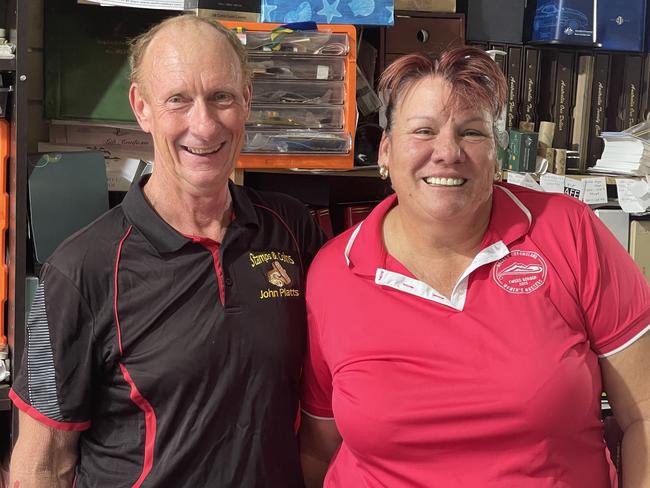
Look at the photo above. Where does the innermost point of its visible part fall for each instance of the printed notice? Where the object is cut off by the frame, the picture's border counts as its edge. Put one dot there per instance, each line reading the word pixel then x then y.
pixel 574 188
pixel 552 183
pixel 595 190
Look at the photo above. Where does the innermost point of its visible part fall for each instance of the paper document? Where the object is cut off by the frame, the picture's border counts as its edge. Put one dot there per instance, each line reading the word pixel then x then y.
pixel 595 190
pixel 552 183
pixel 627 199
pixel 523 179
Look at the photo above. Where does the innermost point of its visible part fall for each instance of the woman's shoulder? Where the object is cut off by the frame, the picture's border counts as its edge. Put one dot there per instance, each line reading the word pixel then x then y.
pixel 540 203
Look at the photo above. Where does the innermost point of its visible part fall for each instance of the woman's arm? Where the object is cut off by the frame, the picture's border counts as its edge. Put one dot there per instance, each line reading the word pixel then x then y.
pixel 626 379
pixel 319 440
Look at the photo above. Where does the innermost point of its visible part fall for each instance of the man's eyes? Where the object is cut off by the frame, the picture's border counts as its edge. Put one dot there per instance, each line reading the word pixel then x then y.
pixel 220 98
pixel 223 97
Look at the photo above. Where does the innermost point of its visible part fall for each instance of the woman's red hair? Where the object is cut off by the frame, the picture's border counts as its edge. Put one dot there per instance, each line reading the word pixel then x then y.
pixel 474 77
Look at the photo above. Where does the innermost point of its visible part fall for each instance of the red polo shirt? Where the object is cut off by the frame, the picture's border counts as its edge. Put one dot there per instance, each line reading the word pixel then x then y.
pixel 498 386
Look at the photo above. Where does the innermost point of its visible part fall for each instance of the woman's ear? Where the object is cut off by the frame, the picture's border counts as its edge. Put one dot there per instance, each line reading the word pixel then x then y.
pixel 383 158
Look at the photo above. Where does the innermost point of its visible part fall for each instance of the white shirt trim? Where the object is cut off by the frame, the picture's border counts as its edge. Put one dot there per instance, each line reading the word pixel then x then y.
pixel 627 344
pixel 315 416
pixel 418 288
pixel 348 247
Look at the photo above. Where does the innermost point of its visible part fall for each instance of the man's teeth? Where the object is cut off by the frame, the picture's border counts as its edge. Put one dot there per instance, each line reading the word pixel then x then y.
pixel 432 180
pixel 200 150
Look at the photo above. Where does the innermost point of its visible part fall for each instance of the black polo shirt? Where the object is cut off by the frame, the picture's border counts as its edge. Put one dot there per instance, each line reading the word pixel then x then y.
pixel 178 358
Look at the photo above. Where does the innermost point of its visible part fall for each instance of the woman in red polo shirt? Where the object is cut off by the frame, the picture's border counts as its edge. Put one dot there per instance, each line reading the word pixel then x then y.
pixel 462 334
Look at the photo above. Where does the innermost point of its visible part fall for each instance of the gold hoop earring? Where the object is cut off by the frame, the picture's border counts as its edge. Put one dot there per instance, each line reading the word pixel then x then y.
pixel 498 175
pixel 383 172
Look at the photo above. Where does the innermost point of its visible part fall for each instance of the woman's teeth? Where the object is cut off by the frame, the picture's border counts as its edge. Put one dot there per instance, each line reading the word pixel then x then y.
pixel 432 180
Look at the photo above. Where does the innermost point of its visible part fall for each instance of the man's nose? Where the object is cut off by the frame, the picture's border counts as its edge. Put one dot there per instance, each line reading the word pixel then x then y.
pixel 204 120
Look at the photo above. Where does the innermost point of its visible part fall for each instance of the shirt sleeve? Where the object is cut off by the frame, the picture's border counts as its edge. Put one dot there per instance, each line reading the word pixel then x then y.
pixel 316 377
pixel 54 383
pixel 615 295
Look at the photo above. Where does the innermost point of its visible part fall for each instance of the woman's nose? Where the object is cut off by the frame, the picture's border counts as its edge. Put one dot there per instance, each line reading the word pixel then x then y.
pixel 447 148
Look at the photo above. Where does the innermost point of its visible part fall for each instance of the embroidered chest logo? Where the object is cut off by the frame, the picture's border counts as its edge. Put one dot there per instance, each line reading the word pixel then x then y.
pixel 520 272
pixel 276 274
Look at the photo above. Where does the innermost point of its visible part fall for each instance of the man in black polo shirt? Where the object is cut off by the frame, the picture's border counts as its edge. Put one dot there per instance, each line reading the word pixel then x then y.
pixel 165 342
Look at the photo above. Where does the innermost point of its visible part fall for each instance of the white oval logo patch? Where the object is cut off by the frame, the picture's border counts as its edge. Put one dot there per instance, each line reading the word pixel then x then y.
pixel 520 272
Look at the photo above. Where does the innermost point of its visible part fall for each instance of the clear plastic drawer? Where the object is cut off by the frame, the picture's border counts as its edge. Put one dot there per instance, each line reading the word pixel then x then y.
pixel 298 42
pixel 285 116
pixel 297 68
pixel 298 92
pixel 297 141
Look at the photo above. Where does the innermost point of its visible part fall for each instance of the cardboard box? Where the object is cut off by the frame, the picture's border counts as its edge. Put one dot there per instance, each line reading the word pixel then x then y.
pixel 426 5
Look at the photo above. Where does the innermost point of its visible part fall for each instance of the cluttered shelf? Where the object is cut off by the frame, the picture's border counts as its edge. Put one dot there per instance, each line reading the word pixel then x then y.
pixel 610 179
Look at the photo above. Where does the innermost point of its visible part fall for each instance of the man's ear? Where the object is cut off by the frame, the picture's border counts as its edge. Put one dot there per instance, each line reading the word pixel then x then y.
pixel 140 107
pixel 384 150
pixel 248 98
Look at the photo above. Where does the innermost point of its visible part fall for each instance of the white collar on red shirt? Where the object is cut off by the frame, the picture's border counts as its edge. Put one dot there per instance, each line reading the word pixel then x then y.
pixel 366 255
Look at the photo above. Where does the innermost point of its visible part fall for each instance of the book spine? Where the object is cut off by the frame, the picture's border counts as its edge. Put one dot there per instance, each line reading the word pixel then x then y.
pixel 548 66
pixel 563 104
pixel 530 85
pixel 645 88
pixel 515 55
pixel 598 110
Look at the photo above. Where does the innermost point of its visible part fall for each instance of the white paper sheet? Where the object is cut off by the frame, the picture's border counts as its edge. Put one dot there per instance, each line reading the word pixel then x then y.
pixel 627 199
pixel 595 190
pixel 552 183
pixel 150 4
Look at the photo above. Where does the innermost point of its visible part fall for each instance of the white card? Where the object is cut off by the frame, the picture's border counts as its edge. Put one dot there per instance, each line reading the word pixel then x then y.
pixel 552 183
pixel 595 190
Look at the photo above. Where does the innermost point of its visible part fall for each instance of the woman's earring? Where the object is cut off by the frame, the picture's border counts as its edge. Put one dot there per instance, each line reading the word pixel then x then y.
pixel 383 172
pixel 498 175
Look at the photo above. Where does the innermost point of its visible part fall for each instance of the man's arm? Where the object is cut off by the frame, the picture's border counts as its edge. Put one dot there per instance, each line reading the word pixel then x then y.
pixel 626 381
pixel 319 440
pixel 43 457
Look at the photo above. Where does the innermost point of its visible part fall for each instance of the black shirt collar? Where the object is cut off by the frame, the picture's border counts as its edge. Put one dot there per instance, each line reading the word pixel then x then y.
pixel 163 236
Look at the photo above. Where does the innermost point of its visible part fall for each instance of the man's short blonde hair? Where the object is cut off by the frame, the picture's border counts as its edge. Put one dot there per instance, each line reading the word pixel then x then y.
pixel 139 44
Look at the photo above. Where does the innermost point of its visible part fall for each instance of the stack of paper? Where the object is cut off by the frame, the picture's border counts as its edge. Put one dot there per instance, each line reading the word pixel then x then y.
pixel 626 152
